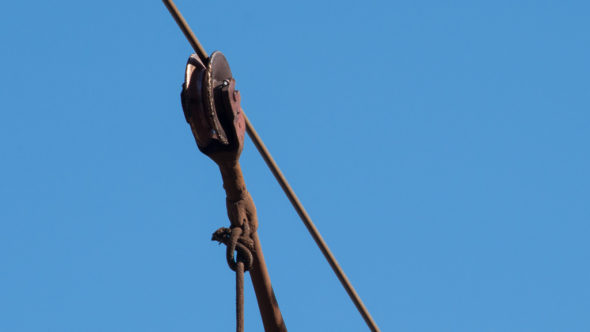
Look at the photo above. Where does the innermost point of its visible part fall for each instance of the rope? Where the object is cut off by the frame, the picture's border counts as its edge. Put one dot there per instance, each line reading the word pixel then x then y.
pixel 270 162
pixel 237 240
pixel 240 297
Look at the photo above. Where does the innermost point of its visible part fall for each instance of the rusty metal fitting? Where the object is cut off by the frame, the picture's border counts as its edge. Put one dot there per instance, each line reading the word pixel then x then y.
pixel 211 106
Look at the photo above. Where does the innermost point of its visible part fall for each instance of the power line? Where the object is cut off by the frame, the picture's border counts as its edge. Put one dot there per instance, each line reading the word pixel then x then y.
pixel 274 168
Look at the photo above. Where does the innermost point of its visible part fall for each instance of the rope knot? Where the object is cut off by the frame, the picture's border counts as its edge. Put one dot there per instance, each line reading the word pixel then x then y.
pixel 236 239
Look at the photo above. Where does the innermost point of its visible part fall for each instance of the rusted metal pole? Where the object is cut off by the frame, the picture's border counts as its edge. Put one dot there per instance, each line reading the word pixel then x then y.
pixel 235 189
pixel 211 107
pixel 267 303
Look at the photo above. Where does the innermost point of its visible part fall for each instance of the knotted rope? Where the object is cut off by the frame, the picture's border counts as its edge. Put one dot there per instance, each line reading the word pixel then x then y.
pixel 237 239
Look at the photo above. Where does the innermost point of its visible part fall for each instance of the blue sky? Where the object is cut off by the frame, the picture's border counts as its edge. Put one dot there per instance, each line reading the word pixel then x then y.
pixel 441 148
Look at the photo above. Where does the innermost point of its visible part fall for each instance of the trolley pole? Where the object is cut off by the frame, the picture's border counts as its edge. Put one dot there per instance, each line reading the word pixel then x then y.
pixel 235 188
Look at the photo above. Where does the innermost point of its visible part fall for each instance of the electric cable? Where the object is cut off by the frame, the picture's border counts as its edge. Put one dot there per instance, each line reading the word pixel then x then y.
pixel 274 168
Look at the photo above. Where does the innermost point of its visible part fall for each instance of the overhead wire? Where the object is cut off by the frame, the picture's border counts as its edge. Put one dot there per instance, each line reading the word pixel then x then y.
pixel 274 168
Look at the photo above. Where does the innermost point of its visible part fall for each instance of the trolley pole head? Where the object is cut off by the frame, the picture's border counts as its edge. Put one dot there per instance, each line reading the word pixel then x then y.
pixel 211 106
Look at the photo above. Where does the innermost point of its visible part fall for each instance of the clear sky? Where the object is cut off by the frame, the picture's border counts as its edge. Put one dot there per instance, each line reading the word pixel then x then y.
pixel 440 146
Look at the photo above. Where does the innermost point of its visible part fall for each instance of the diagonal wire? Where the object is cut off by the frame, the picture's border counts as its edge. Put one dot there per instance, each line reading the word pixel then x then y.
pixel 274 168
